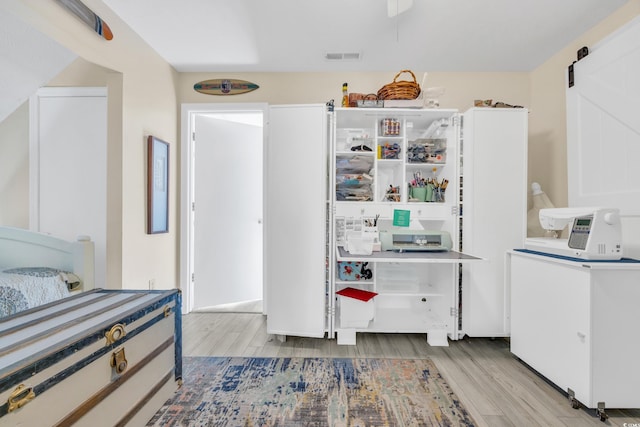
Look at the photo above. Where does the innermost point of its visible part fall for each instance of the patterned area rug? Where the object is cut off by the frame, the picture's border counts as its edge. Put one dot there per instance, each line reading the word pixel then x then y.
pixel 318 392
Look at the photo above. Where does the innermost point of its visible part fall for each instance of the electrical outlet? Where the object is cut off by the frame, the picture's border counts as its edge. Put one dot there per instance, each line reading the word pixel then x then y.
pixel 152 284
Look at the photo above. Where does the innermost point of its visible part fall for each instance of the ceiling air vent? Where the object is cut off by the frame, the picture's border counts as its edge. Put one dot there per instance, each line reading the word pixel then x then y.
pixel 342 56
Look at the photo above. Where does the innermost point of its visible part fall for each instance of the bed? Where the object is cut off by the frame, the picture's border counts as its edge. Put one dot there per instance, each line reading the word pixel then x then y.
pixel 36 268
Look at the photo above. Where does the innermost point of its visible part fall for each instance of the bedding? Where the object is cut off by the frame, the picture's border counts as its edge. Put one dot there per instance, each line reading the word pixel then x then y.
pixel 28 287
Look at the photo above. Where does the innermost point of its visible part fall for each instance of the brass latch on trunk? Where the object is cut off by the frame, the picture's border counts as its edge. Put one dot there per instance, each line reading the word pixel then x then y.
pixel 119 361
pixel 20 397
pixel 116 333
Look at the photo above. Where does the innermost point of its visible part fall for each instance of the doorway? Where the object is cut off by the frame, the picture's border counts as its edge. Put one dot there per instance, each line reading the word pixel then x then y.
pixel 224 166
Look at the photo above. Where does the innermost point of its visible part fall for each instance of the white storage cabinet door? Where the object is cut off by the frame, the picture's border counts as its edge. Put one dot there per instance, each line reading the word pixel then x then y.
pixel 295 220
pixel 551 321
pixel 494 213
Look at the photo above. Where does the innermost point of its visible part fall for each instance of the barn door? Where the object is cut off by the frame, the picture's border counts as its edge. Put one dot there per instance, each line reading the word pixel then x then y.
pixel 603 124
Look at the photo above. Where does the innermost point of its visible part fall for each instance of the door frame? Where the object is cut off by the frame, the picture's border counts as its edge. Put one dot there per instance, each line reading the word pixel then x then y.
pixel 188 115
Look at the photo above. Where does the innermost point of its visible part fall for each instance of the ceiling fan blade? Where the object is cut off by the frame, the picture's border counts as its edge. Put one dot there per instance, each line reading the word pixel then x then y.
pixel 396 7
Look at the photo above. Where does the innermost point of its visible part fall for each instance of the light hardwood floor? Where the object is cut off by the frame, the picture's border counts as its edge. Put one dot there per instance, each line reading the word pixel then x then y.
pixel 495 387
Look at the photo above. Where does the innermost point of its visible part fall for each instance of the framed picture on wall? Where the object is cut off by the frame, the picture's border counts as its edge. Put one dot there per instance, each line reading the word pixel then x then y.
pixel 157 186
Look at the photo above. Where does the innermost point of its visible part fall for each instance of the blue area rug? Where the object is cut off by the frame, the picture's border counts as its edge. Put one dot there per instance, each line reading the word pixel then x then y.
pixel 318 392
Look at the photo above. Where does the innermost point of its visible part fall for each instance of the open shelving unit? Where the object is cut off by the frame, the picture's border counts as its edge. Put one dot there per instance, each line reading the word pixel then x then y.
pixel 379 155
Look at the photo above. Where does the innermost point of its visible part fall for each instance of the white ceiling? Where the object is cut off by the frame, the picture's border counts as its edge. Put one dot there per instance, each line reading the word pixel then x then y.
pixel 295 35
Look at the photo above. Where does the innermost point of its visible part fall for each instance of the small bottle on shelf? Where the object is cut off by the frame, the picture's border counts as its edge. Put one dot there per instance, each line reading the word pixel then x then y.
pixel 345 95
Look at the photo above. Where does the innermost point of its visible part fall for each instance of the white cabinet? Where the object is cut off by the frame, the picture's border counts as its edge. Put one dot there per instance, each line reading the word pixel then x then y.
pixel 573 322
pixel 325 179
pixel 295 221
pixel 389 162
pixel 494 209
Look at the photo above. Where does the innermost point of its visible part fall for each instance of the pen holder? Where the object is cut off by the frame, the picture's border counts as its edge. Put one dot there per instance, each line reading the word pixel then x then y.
pixel 419 193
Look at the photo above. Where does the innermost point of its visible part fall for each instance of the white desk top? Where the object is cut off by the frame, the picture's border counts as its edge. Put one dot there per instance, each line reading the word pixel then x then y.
pixel 624 264
pixel 451 257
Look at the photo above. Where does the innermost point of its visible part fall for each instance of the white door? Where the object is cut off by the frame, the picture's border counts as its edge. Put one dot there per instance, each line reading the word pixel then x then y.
pixel 68 167
pixel 603 124
pixel 227 220
pixel 296 206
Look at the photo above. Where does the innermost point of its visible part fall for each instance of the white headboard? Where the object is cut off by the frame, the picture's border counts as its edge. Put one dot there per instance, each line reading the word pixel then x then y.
pixel 24 248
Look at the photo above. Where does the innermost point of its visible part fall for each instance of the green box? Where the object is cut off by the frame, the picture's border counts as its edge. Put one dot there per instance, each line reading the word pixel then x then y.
pixel 401 217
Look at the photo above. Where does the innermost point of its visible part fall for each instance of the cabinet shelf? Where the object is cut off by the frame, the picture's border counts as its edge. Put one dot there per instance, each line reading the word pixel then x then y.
pixel 425 165
pixel 354 283
pixel 391 293
pixel 396 157
pixel 415 290
pixel 354 153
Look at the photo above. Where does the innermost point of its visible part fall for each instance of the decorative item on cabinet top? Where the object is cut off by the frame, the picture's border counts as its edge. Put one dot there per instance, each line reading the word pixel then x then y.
pixel 400 89
pixel 370 101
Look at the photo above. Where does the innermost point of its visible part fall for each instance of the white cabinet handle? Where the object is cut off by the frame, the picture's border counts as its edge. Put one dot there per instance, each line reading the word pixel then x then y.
pixel 581 336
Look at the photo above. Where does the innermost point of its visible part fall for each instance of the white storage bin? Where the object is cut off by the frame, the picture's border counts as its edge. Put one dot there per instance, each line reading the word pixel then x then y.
pixel 355 313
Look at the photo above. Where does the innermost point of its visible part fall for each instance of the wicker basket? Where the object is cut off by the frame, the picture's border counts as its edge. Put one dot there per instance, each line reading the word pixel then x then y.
pixel 400 89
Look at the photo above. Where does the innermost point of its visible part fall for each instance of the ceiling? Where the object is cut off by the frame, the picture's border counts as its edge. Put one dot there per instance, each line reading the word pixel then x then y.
pixel 296 35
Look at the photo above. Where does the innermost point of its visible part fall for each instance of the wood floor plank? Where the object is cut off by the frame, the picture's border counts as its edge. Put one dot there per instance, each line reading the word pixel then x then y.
pixel 341 351
pixel 246 335
pixel 497 389
pixel 502 376
pixel 463 394
pixel 496 421
pixel 457 366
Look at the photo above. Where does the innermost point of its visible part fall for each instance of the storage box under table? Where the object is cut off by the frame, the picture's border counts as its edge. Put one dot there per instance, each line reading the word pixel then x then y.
pixel 100 358
pixel 355 313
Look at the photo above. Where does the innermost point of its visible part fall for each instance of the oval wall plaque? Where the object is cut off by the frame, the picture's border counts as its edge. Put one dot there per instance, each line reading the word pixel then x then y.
pixel 224 87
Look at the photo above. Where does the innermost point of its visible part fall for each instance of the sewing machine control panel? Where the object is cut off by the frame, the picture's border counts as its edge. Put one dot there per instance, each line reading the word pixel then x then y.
pixel 580 232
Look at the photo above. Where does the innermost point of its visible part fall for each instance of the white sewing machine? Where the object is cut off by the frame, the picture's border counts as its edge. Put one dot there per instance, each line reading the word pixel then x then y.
pixel 595 233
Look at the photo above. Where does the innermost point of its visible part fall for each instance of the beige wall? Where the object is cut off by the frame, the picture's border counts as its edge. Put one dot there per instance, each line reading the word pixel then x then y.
pixel 299 88
pixel 14 168
pixel 142 101
pixel 145 94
